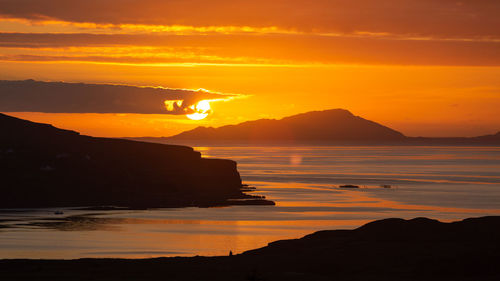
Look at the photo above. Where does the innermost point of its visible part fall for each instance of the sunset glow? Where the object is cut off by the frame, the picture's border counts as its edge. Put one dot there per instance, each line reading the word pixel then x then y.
pixel 202 109
pixel 249 140
pixel 407 72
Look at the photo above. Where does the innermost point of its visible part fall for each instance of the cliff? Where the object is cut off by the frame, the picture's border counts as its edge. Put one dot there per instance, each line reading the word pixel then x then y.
pixel 42 166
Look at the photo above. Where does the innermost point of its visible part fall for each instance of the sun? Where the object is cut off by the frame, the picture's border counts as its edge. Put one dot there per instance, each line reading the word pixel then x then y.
pixel 202 108
pixel 197 116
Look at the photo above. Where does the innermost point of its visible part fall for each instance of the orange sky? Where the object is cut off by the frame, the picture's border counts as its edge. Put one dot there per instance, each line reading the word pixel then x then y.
pixel 419 66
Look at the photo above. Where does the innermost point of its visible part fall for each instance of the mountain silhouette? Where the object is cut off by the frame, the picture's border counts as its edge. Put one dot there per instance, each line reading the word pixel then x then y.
pixel 328 125
pixel 334 126
pixel 43 166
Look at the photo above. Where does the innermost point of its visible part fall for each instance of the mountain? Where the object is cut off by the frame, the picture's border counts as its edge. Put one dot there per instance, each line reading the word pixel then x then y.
pixel 334 126
pixel 322 126
pixel 43 166
pixel 493 140
pixel 390 249
pixel 494 137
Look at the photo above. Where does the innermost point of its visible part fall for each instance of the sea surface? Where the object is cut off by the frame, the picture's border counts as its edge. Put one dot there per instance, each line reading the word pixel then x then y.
pixel 445 183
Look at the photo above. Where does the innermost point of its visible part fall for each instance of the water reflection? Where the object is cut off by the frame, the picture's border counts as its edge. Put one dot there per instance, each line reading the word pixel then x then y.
pixel 447 183
pixel 76 223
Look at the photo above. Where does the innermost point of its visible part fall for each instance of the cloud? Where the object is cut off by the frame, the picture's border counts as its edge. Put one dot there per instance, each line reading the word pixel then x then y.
pixel 246 49
pixel 61 97
pixel 260 32
pixel 417 17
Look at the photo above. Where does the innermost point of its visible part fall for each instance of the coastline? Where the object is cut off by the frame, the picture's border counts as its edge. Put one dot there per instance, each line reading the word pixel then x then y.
pixel 43 166
pixel 390 249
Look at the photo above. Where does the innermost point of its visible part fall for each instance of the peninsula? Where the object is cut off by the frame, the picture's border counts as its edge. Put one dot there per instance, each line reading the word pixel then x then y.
pixel 43 166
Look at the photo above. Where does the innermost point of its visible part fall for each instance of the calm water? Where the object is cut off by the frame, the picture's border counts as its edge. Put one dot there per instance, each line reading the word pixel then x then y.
pixel 447 183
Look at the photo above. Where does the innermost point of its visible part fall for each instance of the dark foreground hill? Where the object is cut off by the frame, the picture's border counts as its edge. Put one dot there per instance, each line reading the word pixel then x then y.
pixel 42 166
pixel 392 249
pixel 328 127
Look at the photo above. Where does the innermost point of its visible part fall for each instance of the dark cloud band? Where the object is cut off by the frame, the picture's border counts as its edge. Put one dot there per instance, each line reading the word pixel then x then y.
pixel 60 97
pixel 417 17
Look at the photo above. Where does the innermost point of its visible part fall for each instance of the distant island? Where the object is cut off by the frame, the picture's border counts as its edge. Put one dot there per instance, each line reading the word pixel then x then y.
pixel 43 166
pixel 391 249
pixel 328 127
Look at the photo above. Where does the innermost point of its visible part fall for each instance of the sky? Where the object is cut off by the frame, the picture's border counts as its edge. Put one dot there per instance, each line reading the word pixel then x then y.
pixel 423 67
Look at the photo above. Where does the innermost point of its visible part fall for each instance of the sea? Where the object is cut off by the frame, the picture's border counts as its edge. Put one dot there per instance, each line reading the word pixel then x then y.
pixel 447 183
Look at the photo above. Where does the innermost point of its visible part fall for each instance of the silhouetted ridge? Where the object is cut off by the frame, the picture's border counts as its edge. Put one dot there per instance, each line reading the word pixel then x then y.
pixel 22 129
pixel 489 137
pixel 328 125
pixel 389 250
pixel 42 166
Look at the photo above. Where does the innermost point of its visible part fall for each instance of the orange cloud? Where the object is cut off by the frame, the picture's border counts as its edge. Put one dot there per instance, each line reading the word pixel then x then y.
pixel 446 18
pixel 290 49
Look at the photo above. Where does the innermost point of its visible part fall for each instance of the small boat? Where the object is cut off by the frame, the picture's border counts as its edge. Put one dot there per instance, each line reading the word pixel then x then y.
pixel 349 186
pixel 386 186
pixel 58 213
